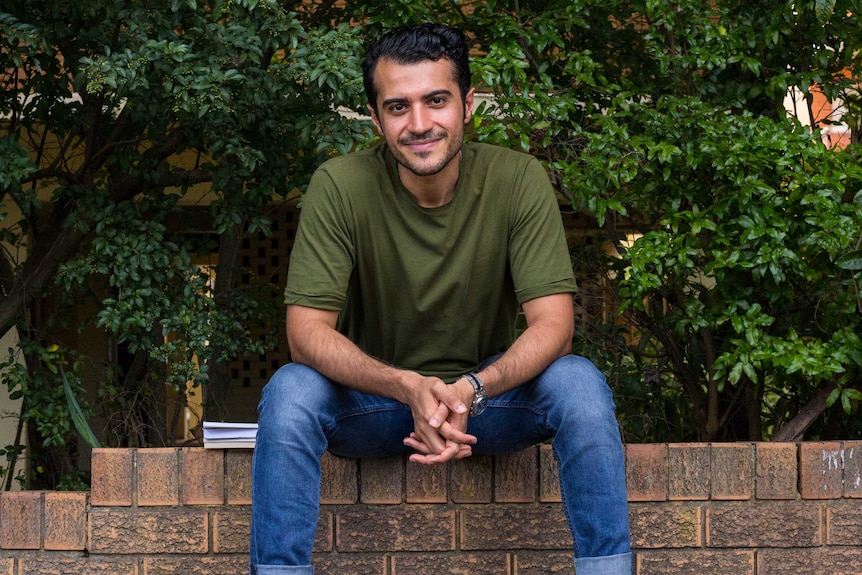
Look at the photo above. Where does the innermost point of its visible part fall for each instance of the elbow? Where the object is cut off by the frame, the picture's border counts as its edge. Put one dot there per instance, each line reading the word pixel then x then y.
pixel 568 334
pixel 298 346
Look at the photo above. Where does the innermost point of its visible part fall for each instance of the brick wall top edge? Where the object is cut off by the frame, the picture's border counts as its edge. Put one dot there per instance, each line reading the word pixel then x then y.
pixel 656 472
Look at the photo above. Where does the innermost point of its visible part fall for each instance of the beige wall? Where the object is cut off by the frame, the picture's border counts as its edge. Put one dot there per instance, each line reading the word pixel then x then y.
pixel 10 409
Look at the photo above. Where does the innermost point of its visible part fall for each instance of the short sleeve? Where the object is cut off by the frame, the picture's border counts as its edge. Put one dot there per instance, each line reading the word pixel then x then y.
pixel 323 255
pixel 538 253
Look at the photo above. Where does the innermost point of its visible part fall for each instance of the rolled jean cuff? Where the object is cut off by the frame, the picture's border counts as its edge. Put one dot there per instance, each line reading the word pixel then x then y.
pixel 608 565
pixel 281 570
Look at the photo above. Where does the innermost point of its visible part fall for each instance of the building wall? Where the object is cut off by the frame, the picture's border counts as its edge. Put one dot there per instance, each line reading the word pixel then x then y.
pixel 696 509
pixel 264 260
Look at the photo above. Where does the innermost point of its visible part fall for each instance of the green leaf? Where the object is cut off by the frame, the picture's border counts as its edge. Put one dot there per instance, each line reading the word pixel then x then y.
pixel 823 10
pixel 851 261
pixel 77 415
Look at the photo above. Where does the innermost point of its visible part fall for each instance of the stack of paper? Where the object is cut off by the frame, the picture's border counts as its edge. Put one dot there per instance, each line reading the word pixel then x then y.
pixel 223 435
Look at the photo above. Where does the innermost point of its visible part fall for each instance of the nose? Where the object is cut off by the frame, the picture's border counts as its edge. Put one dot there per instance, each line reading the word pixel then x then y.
pixel 420 120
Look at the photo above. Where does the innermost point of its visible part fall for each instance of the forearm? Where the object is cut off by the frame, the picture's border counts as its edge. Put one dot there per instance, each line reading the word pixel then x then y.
pixel 314 342
pixel 547 338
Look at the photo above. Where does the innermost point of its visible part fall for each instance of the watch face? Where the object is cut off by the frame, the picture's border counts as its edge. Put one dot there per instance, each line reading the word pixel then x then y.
pixel 479 406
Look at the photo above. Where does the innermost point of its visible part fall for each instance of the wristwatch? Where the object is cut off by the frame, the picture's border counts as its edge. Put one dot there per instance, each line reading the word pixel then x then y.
pixel 480 398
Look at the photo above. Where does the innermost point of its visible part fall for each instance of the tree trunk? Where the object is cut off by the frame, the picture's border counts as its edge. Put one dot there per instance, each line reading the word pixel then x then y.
pixel 215 393
pixel 795 429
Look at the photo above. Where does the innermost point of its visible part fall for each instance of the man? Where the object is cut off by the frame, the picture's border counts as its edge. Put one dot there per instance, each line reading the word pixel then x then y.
pixel 408 268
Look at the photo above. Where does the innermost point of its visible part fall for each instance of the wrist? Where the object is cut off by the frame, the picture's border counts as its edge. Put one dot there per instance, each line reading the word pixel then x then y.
pixel 409 384
pixel 480 397
pixel 465 391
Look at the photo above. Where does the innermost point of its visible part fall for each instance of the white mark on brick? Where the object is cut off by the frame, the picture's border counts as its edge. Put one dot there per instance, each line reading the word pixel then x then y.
pixel 857 481
pixel 831 458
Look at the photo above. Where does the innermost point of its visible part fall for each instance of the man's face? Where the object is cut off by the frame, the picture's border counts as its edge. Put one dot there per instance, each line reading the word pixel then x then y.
pixel 420 113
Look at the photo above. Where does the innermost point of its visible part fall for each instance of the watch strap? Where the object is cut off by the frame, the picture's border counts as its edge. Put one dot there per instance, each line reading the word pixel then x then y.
pixel 479 393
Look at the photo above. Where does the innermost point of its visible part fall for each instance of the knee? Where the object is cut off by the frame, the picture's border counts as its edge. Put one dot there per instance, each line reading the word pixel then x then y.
pixel 292 391
pixel 581 386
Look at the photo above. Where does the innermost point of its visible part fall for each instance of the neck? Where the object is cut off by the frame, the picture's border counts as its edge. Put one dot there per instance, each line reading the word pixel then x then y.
pixel 434 190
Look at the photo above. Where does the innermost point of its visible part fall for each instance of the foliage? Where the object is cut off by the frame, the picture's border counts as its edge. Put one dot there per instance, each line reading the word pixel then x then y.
pixel 734 313
pixel 117 118
pixel 733 289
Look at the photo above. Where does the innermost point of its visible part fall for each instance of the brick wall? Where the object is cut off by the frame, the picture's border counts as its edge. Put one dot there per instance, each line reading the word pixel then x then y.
pixel 729 509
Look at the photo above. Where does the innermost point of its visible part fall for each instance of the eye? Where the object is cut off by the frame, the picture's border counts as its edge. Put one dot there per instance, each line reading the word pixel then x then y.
pixel 437 101
pixel 397 108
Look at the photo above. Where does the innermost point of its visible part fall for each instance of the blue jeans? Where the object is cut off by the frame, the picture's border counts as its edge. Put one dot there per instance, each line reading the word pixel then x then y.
pixel 302 414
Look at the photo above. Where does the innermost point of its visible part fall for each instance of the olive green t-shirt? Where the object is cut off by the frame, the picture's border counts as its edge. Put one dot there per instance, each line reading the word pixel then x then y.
pixel 435 290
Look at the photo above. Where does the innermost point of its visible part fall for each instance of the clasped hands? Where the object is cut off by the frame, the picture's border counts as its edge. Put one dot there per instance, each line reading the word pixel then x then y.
pixel 440 412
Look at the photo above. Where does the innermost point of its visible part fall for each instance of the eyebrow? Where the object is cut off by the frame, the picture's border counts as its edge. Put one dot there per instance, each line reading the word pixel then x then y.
pixel 429 95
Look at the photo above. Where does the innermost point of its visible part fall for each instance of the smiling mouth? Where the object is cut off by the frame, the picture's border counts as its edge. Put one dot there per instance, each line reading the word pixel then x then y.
pixel 423 141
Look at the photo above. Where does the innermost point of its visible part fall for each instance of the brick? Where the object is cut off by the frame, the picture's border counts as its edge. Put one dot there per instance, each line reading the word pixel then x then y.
pixel 202 474
pixel 133 531
pixel 382 480
pixel 324 540
pixel 463 563
pixel 776 471
pixel 226 565
pixel 777 524
pixel 542 563
pixel 669 525
pixel 549 476
pixel 646 472
pixel 339 483
pixel 731 471
pixel 65 521
pixel 157 475
pixel 112 471
pixel 51 565
pixel 231 531
pixel 688 471
pixel 426 483
pixel 20 520
pixel 6 566
pixel 515 477
pixel 844 523
pixel 684 562
pixel 498 527
pixel 821 470
pixel 355 564
pixel 471 479
pixel 238 476
pixel 392 529
pixel 831 561
pixel 853 469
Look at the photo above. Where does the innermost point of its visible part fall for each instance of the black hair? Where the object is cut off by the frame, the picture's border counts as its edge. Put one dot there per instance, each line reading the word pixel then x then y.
pixel 414 44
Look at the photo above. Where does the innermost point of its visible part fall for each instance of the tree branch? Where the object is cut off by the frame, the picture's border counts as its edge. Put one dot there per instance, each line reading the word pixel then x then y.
pixel 795 429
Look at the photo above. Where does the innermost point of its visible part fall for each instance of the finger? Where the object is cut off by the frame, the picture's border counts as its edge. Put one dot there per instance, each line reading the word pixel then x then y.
pixel 439 416
pixel 455 405
pixel 452 433
pixel 430 438
pixel 452 451
pixel 414 443
pixel 464 452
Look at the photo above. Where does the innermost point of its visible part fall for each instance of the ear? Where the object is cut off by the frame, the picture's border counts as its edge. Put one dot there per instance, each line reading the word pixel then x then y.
pixel 468 105
pixel 374 118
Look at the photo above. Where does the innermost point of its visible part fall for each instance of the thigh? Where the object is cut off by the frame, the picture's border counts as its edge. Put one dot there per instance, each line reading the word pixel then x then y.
pixel 571 392
pixel 300 405
pixel 366 425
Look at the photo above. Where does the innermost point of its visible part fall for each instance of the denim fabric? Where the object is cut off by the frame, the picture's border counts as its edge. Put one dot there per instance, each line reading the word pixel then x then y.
pixel 302 414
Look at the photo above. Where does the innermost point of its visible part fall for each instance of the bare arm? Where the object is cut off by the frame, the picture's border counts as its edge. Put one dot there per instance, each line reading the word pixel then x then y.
pixel 315 342
pixel 548 337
